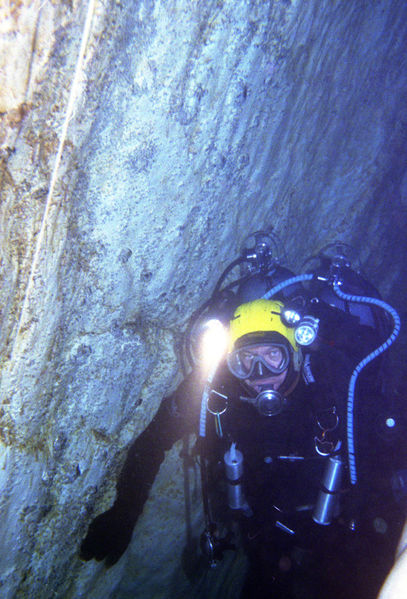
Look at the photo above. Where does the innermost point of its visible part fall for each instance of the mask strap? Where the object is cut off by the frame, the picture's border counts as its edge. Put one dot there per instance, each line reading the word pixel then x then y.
pixel 297 360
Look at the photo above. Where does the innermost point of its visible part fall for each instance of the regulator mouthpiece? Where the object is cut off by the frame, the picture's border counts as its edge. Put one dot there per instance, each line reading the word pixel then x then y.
pixel 269 402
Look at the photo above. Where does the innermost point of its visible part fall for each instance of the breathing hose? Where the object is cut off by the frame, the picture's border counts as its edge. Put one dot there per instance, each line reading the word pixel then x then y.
pixel 204 401
pixel 225 273
pixel 202 435
pixel 352 383
pixel 283 284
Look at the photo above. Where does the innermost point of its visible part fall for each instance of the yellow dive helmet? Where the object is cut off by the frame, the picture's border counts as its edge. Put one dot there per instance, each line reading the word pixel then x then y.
pixel 259 316
pixel 259 323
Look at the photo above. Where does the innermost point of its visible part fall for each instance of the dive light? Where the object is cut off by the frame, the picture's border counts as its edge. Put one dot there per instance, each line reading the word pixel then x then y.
pixel 307 330
pixel 306 326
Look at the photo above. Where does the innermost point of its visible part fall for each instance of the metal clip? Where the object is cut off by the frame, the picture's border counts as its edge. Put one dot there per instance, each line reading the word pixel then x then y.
pixel 217 408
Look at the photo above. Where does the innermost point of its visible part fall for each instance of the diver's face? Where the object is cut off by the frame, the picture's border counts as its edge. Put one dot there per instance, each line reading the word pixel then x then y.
pixel 272 356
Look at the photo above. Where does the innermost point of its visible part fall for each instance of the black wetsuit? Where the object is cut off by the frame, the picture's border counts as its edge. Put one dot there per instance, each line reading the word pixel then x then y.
pixel 290 555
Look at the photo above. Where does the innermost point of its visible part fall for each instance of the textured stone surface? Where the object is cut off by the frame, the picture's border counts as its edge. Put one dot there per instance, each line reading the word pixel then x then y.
pixel 194 123
pixel 396 582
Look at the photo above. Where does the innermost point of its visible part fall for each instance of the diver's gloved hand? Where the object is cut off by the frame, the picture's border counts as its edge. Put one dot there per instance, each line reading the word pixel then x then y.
pixel 108 536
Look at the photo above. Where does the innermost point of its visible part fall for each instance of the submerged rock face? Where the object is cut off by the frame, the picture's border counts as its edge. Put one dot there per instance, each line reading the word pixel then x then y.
pixel 139 147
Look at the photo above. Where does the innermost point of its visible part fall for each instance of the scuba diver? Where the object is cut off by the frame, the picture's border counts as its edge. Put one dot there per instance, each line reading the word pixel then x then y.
pixel 282 475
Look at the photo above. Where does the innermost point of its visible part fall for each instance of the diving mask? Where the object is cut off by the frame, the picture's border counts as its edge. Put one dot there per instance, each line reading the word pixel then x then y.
pixel 258 360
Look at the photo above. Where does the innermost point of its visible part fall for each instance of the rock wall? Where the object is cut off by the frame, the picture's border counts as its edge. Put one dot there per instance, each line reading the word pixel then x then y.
pixel 141 141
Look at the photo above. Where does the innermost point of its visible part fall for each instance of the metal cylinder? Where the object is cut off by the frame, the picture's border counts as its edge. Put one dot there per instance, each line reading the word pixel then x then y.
pixel 328 499
pixel 233 459
pixel 236 500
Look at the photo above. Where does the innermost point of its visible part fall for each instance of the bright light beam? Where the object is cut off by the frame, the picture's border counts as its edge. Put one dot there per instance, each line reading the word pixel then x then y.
pixel 214 342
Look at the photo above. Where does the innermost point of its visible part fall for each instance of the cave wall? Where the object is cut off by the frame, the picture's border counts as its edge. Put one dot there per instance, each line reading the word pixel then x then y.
pixel 141 141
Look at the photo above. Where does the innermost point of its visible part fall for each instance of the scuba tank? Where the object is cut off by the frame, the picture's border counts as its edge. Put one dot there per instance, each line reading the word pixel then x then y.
pixel 333 263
